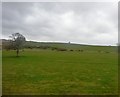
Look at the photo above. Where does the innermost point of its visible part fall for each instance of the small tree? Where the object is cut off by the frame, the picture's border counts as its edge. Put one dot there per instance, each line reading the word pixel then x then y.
pixel 17 41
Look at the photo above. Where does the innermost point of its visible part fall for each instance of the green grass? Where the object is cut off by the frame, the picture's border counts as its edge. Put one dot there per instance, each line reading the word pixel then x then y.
pixel 73 46
pixel 0 72
pixel 45 72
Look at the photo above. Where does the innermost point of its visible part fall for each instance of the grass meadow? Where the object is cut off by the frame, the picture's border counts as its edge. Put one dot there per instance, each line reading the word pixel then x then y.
pixel 46 72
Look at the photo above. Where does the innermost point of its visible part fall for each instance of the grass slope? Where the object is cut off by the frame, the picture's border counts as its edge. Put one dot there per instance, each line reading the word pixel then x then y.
pixel 73 46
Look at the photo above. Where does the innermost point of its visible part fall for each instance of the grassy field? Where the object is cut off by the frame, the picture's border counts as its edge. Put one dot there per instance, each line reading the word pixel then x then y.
pixel 0 72
pixel 45 72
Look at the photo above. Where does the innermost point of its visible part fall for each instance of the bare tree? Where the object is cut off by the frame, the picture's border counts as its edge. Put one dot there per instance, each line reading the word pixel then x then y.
pixel 17 40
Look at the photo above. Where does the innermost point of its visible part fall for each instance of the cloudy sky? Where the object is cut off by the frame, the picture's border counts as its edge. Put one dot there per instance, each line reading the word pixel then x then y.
pixel 78 22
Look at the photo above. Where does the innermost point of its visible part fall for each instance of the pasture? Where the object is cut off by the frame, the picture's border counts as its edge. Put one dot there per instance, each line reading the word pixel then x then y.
pixel 47 72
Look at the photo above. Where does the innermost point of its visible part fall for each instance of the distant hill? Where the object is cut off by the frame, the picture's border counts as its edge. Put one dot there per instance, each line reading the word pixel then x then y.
pixel 68 46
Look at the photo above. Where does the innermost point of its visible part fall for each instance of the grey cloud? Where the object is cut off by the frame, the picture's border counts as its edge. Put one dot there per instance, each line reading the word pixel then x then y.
pixel 90 23
pixel 0 20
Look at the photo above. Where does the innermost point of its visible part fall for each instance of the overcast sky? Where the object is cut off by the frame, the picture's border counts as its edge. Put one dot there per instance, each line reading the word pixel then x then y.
pixel 83 23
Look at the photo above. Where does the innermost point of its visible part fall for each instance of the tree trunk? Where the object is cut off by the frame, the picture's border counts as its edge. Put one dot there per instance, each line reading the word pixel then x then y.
pixel 17 52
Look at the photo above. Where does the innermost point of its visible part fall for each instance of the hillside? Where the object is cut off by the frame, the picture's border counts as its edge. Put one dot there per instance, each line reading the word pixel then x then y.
pixel 68 46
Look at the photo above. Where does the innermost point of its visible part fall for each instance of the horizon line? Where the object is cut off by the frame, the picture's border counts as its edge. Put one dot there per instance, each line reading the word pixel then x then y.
pixel 68 42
